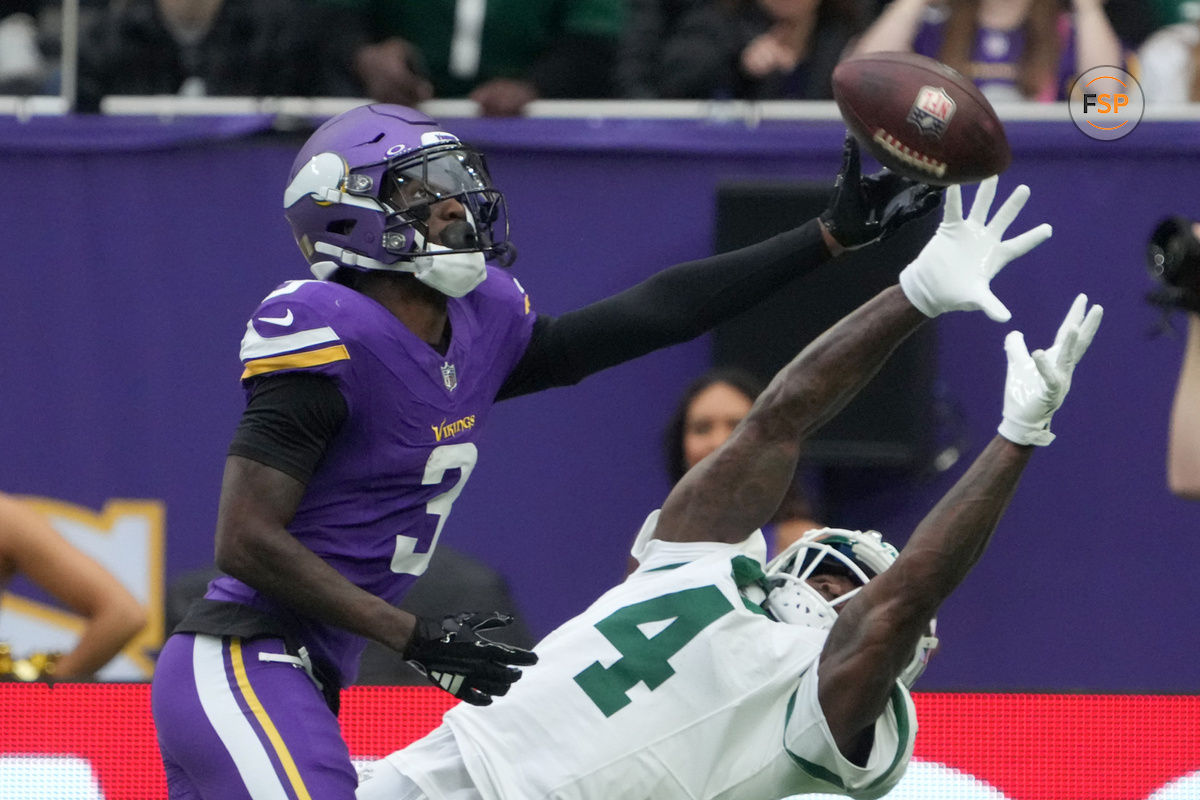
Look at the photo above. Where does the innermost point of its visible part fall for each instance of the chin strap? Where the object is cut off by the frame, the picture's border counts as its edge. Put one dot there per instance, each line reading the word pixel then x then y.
pixel 323 270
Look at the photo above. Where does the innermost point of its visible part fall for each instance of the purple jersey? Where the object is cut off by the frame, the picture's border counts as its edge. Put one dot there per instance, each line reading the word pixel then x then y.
pixel 376 504
pixel 996 56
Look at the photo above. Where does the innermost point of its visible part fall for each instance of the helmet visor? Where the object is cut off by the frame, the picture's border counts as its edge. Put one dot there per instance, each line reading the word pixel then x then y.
pixel 412 186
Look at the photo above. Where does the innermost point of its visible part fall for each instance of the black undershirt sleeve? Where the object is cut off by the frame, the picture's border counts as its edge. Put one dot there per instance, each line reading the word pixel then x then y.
pixel 289 422
pixel 675 305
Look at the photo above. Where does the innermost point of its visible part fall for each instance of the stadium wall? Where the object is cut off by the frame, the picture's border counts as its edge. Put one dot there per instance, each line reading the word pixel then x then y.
pixel 135 249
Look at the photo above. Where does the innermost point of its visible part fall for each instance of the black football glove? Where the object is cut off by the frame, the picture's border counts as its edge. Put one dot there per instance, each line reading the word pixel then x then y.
pixel 866 210
pixel 453 656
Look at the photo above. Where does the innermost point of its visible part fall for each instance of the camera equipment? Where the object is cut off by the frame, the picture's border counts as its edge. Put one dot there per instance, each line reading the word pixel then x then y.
pixel 1173 259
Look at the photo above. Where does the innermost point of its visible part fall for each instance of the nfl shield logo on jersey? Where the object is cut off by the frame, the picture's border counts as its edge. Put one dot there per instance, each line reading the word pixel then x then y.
pixel 449 376
pixel 931 111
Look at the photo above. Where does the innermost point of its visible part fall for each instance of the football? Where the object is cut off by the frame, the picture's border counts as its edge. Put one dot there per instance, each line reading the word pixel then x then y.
pixel 920 118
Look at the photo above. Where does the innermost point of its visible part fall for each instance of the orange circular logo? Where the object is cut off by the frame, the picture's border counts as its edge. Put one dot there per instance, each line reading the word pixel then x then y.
pixel 1106 103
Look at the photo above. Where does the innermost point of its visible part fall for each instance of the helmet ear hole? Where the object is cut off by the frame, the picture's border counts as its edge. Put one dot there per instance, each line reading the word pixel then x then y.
pixel 341 227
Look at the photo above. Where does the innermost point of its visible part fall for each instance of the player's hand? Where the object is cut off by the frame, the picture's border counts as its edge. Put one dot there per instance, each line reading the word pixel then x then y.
pixel 955 270
pixel 392 71
pixel 865 210
pixel 504 97
pixel 1037 383
pixel 453 656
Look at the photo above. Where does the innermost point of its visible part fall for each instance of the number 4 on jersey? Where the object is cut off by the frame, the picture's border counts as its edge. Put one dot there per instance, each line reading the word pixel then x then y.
pixel 644 659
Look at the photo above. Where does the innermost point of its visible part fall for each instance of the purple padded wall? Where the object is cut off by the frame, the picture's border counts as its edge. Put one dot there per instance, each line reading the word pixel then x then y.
pixel 134 252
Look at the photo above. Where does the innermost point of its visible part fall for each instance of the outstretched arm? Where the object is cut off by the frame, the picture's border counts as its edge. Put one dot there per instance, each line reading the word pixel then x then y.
pixel 113 616
pixel 686 300
pixel 1183 450
pixel 739 486
pixel 1096 42
pixel 253 545
pixel 877 631
pixel 894 29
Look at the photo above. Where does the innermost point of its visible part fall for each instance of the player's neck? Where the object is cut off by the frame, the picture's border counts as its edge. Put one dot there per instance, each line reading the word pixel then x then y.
pixel 421 308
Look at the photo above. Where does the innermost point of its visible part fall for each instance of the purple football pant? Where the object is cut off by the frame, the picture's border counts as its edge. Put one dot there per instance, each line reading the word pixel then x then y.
pixel 232 726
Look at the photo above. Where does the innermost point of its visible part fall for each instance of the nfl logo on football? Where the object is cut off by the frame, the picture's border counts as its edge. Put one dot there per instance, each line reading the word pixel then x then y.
pixel 449 376
pixel 931 111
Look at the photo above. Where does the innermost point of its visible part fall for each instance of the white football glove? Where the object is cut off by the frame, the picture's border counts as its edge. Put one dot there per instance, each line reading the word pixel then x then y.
pixel 955 269
pixel 1037 383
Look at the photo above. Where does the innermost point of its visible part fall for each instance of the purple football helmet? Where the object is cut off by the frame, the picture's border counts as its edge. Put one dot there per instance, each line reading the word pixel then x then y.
pixel 360 192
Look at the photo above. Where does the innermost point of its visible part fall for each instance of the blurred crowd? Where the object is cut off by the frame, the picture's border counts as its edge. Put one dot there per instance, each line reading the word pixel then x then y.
pixel 503 54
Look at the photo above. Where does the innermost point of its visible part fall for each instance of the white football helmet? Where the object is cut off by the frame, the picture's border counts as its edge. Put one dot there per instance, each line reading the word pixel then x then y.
pixel 859 554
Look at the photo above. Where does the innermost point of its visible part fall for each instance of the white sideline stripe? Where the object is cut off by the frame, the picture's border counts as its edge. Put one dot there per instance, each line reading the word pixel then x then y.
pixel 256 346
pixel 220 706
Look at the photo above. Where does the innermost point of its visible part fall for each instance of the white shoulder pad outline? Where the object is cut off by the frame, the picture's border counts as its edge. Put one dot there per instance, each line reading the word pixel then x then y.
pixel 256 346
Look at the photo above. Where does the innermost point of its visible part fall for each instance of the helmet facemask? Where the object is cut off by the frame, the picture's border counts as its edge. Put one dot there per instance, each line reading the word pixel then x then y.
pixel 416 182
pixel 860 555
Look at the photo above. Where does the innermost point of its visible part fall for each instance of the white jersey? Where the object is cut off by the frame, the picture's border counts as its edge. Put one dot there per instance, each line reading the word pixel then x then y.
pixel 671 686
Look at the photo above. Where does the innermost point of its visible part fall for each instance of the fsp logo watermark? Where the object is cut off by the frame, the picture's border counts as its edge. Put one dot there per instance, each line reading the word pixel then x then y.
pixel 1106 103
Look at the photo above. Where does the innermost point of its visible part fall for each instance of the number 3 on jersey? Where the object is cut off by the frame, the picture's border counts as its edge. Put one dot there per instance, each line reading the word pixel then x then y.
pixel 442 459
pixel 644 659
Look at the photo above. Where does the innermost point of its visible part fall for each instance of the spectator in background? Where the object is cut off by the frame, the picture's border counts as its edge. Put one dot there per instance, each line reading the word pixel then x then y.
pixel 503 54
pixel 1169 12
pixel 1133 21
pixel 1173 255
pixel 31 42
pixel 708 412
pixel 30 546
pixel 197 48
pixel 1014 50
pixel 1169 60
pixel 1183 450
pixel 23 69
pixel 747 49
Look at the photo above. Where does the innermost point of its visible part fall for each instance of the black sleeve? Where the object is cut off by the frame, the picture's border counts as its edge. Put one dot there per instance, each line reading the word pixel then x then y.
pixel 289 423
pixel 676 305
